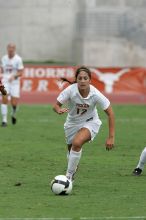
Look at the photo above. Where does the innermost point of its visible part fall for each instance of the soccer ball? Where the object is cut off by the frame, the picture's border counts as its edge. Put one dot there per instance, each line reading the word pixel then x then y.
pixel 61 185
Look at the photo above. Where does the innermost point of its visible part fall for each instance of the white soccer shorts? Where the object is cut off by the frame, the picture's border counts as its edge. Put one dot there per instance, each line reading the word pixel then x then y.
pixel 13 89
pixel 71 130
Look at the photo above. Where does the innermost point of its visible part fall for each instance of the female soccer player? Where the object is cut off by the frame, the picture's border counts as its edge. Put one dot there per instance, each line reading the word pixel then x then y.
pixel 12 69
pixel 142 161
pixel 2 89
pixel 82 123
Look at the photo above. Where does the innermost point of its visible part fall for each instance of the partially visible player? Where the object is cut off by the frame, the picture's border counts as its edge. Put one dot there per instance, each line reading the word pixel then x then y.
pixel 2 89
pixel 142 161
pixel 83 123
pixel 12 70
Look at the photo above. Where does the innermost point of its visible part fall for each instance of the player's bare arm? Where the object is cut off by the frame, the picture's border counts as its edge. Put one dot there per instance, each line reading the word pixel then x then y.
pixel 16 76
pixel 58 108
pixel 19 74
pixel 110 140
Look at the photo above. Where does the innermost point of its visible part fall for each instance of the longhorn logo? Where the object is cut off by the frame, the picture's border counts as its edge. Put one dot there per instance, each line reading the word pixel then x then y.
pixel 109 78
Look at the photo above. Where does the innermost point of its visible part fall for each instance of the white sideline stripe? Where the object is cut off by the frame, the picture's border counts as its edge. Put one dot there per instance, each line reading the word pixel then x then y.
pixel 36 218
pixel 110 217
pixel 81 218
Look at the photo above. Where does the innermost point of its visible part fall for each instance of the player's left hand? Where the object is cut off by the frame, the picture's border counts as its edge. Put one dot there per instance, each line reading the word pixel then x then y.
pixel 109 143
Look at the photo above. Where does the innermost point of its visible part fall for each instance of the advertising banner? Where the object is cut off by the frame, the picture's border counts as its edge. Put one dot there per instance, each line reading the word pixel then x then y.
pixel 114 82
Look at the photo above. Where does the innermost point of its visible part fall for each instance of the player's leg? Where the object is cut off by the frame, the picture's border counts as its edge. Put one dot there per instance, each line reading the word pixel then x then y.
pixel 81 137
pixel 4 104
pixel 15 94
pixel 68 150
pixel 4 110
pixel 140 166
pixel 14 104
pixel 68 154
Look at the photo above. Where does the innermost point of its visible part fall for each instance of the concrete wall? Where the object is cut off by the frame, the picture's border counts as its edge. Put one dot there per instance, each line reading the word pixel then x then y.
pixel 111 33
pixel 41 29
pixel 91 32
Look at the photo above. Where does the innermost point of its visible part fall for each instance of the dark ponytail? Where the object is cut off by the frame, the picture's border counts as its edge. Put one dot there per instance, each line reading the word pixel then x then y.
pixel 66 80
pixel 78 70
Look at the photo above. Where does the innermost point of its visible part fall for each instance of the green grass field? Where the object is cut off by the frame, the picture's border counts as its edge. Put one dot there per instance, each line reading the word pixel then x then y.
pixel 34 151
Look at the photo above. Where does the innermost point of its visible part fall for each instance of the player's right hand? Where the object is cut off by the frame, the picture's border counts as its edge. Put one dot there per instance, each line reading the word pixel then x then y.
pixel 62 110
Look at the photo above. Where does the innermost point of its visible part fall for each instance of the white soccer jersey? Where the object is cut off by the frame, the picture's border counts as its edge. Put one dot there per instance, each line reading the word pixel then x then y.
pixel 10 67
pixel 82 109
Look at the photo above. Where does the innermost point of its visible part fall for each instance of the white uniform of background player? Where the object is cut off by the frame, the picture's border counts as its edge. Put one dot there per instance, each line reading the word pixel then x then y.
pixel 12 69
pixel 82 111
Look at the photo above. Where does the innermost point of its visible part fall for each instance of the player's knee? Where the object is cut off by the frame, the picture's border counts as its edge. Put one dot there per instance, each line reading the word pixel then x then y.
pixel 5 100
pixel 76 148
pixel 76 142
pixel 76 145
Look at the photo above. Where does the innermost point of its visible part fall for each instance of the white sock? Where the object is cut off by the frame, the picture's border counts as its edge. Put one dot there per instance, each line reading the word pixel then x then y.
pixel 4 111
pixel 67 155
pixel 74 158
pixel 142 160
